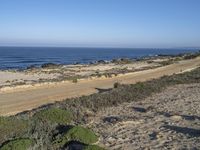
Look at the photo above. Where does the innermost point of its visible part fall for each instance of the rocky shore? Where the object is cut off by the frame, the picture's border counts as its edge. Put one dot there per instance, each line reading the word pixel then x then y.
pixel 56 72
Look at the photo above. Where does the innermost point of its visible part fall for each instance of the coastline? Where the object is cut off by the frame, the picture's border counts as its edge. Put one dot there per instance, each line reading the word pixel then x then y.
pixel 159 105
pixel 38 56
pixel 16 100
pixel 51 74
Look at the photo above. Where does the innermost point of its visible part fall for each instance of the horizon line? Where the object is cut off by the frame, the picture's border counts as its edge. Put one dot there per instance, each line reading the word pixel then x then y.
pixel 31 46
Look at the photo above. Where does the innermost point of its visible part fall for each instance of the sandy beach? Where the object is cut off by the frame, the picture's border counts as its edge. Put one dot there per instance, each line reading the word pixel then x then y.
pixel 18 98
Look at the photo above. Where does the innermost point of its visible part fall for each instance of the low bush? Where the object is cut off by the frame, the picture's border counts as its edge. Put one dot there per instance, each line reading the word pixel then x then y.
pixel 116 85
pixel 54 115
pixel 192 55
pixel 75 80
pixel 77 133
pixel 12 127
pixel 18 144
pixel 81 134
pixel 165 63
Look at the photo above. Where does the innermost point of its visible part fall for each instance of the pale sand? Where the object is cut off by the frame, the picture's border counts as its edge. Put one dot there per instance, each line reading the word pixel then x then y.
pixel 9 77
pixel 33 76
pixel 16 100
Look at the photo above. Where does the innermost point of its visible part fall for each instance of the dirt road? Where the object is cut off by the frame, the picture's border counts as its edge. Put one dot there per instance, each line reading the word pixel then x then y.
pixel 15 101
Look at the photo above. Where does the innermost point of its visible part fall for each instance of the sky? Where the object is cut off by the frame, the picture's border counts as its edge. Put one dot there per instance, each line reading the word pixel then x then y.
pixel 100 23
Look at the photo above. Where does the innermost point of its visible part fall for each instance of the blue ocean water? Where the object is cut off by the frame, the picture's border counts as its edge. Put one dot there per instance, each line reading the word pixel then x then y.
pixel 22 57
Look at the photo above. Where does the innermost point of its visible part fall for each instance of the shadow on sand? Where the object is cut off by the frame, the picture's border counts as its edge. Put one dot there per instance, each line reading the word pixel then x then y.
pixel 184 130
pixel 103 90
pixel 186 117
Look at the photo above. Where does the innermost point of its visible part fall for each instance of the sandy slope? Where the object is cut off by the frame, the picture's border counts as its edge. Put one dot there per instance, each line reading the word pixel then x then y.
pixel 21 99
pixel 161 121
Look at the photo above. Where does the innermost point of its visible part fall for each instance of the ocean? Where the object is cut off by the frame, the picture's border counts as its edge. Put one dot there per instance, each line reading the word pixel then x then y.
pixel 22 57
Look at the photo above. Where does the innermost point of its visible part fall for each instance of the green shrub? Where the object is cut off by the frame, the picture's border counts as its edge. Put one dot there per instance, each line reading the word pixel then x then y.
pixel 12 127
pixel 116 85
pixel 18 144
pixel 77 133
pixel 81 134
pixel 139 85
pixel 54 115
pixel 75 80
pixel 93 147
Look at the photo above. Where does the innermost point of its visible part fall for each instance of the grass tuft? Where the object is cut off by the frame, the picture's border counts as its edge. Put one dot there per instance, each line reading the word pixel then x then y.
pixel 81 134
pixel 54 115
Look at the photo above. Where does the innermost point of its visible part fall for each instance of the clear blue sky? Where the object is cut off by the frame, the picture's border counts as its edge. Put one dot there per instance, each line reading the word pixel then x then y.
pixel 100 23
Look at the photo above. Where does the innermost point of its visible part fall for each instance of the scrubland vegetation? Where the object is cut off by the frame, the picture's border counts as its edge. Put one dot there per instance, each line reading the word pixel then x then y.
pixel 63 124
pixel 18 144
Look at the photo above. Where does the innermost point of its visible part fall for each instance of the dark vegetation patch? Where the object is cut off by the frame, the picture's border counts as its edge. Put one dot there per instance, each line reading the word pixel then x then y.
pixel 54 115
pixel 18 144
pixel 50 65
pixel 116 85
pixel 12 127
pixel 75 145
pixel 167 62
pixel 112 119
pixel 76 133
pixel 153 135
pixel 123 61
pixel 140 109
pixel 192 55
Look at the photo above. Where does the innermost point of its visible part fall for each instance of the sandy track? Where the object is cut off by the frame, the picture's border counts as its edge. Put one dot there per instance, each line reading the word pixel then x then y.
pixel 15 101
